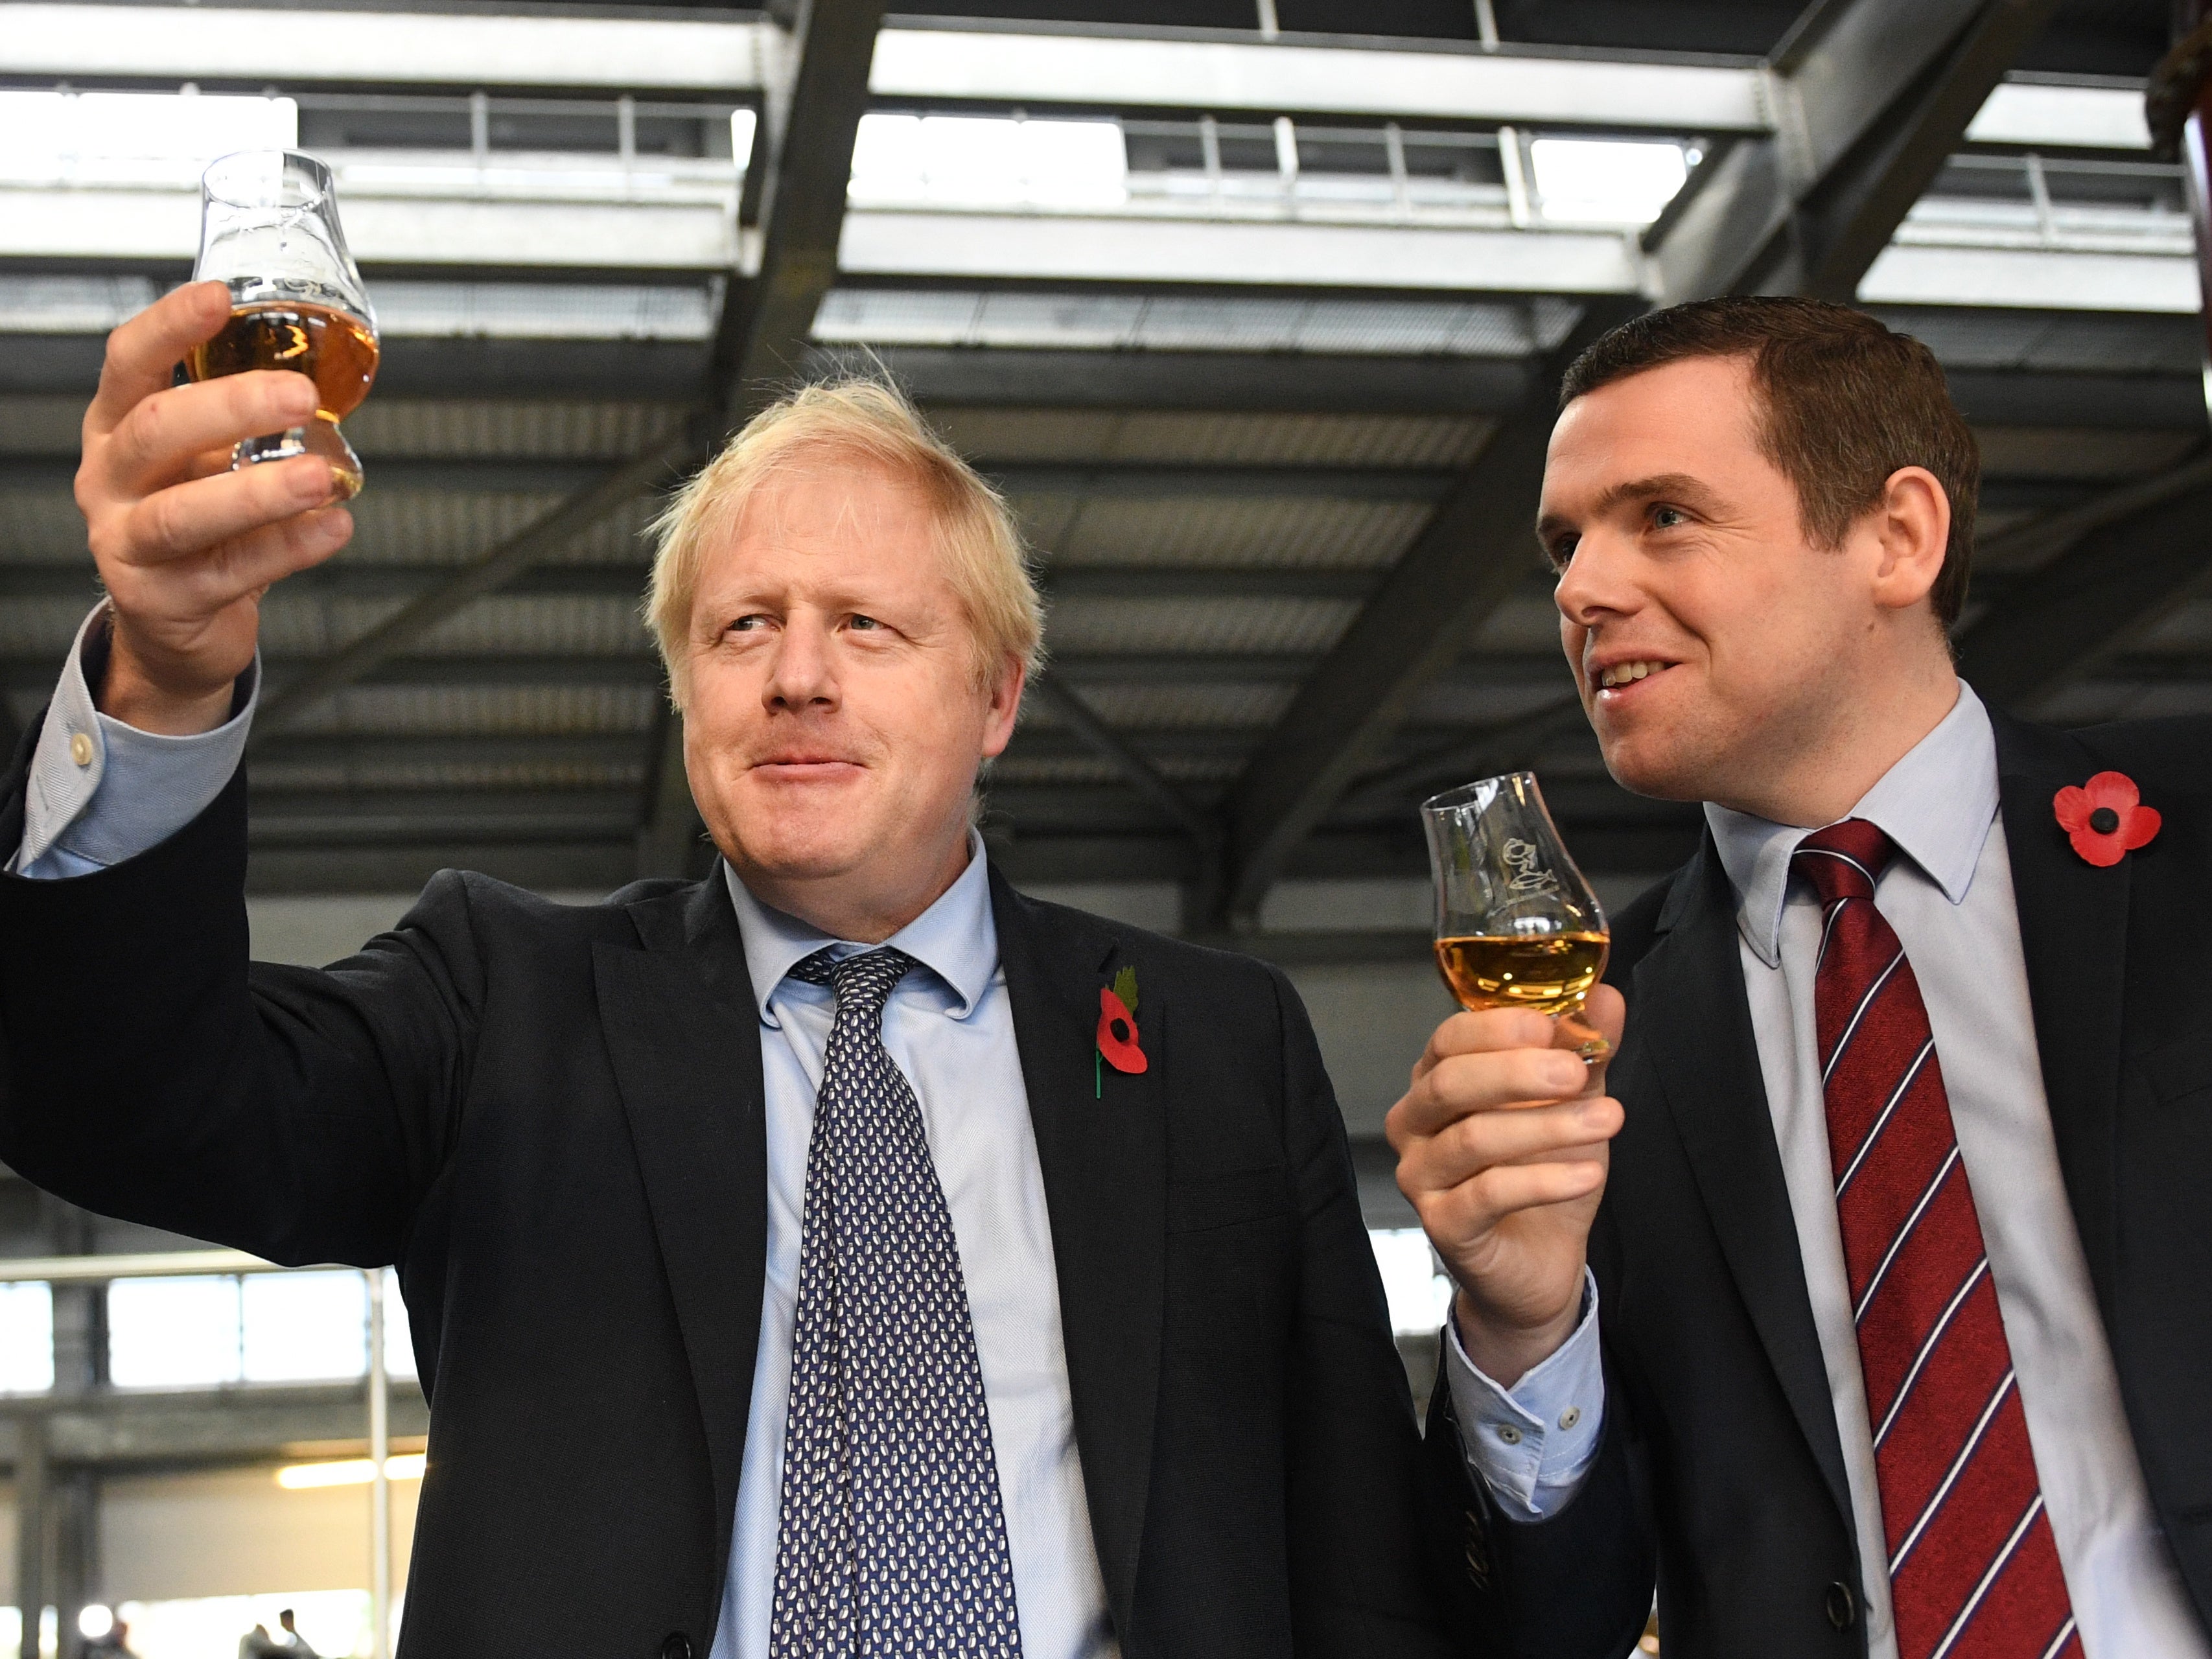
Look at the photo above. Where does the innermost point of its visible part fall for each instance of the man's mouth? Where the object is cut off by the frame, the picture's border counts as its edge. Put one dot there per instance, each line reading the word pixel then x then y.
pixel 1617 675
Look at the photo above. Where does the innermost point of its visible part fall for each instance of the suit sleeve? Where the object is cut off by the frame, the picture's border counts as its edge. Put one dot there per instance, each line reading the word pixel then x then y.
pixel 149 1071
pixel 1577 1584
pixel 1368 1549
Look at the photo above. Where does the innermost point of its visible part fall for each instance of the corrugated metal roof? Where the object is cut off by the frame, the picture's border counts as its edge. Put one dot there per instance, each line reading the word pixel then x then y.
pixel 1078 769
pixel 480 711
pixel 32 425
pixel 1169 708
pixel 2110 341
pixel 1526 621
pixel 1101 625
pixel 529 428
pixel 2071 453
pixel 1175 435
pixel 402 774
pixel 41 527
pixel 302 623
pixel 405 526
pixel 1303 534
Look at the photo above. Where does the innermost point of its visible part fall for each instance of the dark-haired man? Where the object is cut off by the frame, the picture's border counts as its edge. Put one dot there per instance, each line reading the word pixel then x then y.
pixel 1872 1311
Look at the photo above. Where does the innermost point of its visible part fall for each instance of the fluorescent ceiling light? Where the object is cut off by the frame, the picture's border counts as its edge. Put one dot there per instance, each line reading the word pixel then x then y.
pixel 82 136
pixel 350 1472
pixel 988 161
pixel 744 124
pixel 1605 181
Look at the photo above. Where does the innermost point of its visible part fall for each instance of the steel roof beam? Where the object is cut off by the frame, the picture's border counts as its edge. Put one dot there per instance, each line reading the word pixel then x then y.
pixel 1472 554
pixel 1872 97
pixel 1874 94
pixel 2112 581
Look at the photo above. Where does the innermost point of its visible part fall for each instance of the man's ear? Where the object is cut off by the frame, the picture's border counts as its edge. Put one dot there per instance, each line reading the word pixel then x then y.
pixel 1911 528
pixel 1004 707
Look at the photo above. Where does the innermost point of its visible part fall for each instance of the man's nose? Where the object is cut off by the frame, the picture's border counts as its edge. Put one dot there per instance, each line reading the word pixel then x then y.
pixel 1596 584
pixel 802 675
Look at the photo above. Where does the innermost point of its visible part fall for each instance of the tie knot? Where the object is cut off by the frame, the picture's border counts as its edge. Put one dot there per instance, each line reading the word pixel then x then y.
pixel 1844 861
pixel 862 983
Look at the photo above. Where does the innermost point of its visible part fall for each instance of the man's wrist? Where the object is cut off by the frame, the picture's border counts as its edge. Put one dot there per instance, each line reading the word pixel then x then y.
pixel 122 691
pixel 1506 1353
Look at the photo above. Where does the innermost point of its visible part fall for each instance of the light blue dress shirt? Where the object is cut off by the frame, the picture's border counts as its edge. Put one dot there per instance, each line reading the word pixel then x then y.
pixel 948 1025
pixel 1948 894
pixel 950 1028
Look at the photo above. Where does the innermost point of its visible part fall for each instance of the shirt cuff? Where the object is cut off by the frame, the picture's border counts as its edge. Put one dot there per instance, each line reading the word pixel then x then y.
pixel 100 792
pixel 1532 1445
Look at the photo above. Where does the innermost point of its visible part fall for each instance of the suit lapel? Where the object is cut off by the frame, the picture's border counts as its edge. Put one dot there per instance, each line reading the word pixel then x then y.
pixel 2073 932
pixel 1692 1014
pixel 1101 1144
pixel 685 1035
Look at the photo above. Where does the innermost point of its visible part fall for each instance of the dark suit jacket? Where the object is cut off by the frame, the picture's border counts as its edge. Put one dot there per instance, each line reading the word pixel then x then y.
pixel 551 1118
pixel 1721 1467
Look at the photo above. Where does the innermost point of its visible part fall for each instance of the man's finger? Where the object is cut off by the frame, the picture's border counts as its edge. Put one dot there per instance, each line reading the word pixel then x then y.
pixel 144 353
pixel 1490 1139
pixel 190 591
pixel 1487 1081
pixel 190 518
pixel 1474 1207
pixel 165 433
pixel 1488 1029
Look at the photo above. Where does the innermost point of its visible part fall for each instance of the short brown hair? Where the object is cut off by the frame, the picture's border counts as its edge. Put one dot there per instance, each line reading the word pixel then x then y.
pixel 1847 401
pixel 869 423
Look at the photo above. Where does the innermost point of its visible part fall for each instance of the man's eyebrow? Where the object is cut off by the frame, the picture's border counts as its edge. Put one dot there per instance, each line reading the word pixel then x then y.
pixel 1679 486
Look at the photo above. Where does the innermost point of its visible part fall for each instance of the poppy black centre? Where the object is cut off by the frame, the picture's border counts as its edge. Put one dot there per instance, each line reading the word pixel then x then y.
pixel 2104 820
pixel 1122 1030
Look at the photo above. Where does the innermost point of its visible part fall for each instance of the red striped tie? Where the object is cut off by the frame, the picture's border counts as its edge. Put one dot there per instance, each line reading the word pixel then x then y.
pixel 1973 1569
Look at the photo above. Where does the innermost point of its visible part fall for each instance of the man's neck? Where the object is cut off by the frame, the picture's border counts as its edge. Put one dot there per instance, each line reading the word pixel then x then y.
pixel 1824 780
pixel 843 907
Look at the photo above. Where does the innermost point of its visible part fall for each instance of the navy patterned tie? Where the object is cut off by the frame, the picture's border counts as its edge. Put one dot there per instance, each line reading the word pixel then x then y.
pixel 892 1540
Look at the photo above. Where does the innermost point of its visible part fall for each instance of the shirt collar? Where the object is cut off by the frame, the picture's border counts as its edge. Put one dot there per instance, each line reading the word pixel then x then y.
pixel 1936 804
pixel 955 938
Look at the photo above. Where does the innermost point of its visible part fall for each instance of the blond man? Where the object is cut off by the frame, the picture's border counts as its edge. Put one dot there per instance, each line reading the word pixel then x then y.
pixel 842 1255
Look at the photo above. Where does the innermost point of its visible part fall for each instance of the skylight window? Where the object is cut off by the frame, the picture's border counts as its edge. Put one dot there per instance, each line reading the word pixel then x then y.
pixel 26 1338
pixel 81 137
pixel 1604 181
pixel 965 160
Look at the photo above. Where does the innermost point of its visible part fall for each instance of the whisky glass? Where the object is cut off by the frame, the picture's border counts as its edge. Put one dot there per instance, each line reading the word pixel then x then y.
pixel 270 231
pixel 1516 924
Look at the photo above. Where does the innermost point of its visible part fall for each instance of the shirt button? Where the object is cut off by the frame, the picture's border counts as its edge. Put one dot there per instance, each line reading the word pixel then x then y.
pixel 1509 1434
pixel 1569 1417
pixel 81 748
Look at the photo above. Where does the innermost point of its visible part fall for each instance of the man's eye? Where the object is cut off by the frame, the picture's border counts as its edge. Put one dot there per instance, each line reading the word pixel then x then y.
pixel 1561 552
pixel 1668 517
pixel 865 623
pixel 748 624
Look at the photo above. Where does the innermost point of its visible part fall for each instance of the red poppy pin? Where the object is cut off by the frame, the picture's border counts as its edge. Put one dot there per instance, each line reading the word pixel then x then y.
pixel 2105 817
pixel 1117 1029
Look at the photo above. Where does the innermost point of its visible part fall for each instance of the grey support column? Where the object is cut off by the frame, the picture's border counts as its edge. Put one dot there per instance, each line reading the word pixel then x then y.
pixel 31 1528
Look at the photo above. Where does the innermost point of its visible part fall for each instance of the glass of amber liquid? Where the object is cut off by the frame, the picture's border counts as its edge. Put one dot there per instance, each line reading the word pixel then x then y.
pixel 270 231
pixel 1516 924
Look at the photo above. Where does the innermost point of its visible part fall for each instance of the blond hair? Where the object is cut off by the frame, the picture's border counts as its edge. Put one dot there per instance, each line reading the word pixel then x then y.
pixel 870 422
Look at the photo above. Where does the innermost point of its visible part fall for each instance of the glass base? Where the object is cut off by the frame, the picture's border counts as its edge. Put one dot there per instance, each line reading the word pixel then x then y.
pixel 318 437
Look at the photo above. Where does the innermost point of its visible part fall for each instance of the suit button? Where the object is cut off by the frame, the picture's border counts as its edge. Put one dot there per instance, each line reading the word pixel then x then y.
pixel 678 1646
pixel 1840 1604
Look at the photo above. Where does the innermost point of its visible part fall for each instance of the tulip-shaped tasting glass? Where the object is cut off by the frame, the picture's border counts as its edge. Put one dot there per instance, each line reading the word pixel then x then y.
pixel 268 229
pixel 1516 924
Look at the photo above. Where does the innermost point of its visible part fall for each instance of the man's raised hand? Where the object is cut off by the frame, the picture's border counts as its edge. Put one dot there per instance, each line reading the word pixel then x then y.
pixel 185 547
pixel 1501 1149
